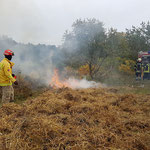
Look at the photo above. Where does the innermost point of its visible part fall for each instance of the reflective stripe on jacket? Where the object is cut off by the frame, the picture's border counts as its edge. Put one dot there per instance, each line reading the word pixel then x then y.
pixel 138 67
pixel 6 77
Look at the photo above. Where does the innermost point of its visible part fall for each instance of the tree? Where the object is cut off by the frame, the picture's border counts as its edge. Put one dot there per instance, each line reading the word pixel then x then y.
pixel 138 39
pixel 85 45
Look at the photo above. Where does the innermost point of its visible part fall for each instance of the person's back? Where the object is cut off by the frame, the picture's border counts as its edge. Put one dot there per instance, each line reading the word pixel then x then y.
pixel 139 69
pixel 139 65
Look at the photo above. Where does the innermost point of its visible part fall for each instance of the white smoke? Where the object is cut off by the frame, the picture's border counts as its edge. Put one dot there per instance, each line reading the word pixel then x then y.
pixel 83 83
pixel 32 61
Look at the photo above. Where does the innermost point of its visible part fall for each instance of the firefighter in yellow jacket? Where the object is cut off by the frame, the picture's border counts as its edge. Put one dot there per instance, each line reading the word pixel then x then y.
pixel 7 78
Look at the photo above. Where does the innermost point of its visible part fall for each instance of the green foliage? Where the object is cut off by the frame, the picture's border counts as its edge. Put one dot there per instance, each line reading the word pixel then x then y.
pixel 96 52
pixel 87 45
pixel 138 39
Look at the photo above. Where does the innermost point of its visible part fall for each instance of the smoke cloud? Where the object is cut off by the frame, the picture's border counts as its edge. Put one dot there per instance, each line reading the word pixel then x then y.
pixel 32 60
pixel 39 61
pixel 83 83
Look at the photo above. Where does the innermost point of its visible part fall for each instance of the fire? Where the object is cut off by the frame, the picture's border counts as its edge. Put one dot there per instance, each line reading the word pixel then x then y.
pixel 56 82
pixel 71 82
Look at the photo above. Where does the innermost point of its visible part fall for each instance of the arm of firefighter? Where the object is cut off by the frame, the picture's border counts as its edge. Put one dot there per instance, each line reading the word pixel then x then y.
pixel 135 67
pixel 8 73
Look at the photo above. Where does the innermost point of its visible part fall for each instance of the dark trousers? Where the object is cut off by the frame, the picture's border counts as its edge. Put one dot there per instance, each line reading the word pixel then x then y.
pixel 138 74
pixel 146 76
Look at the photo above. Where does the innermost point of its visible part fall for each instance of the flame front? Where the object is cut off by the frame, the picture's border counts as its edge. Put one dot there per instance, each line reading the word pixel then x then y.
pixel 56 83
pixel 70 83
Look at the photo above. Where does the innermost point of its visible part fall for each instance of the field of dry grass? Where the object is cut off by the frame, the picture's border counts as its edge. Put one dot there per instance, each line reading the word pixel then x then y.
pixel 90 119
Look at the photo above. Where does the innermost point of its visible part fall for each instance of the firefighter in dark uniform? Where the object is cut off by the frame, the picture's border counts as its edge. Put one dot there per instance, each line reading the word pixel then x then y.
pixel 139 69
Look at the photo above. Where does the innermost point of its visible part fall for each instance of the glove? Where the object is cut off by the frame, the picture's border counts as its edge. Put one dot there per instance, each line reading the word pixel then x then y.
pixel 16 83
pixel 14 76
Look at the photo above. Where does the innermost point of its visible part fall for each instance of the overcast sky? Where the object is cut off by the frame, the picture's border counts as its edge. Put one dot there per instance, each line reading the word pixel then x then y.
pixel 45 21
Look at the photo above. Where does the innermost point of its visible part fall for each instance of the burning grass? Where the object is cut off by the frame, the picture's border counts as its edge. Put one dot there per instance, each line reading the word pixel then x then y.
pixel 73 83
pixel 77 120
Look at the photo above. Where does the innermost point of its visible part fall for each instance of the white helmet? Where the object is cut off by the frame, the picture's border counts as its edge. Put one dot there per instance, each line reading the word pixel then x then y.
pixel 139 59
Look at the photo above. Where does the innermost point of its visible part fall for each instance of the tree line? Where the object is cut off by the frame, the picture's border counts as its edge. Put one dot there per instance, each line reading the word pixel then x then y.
pixel 96 52
pixel 88 50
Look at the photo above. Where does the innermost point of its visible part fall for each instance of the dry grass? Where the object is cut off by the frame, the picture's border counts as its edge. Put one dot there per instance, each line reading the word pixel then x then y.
pixel 92 119
pixel 24 90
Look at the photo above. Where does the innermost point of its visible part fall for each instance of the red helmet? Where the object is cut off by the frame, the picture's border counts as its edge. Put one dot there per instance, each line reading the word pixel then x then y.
pixel 9 52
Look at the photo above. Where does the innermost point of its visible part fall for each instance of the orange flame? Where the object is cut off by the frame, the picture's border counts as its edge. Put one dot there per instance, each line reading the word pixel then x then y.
pixel 56 83
pixel 70 83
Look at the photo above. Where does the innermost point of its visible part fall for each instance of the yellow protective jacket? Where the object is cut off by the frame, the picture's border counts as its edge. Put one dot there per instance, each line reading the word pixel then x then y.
pixel 6 77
